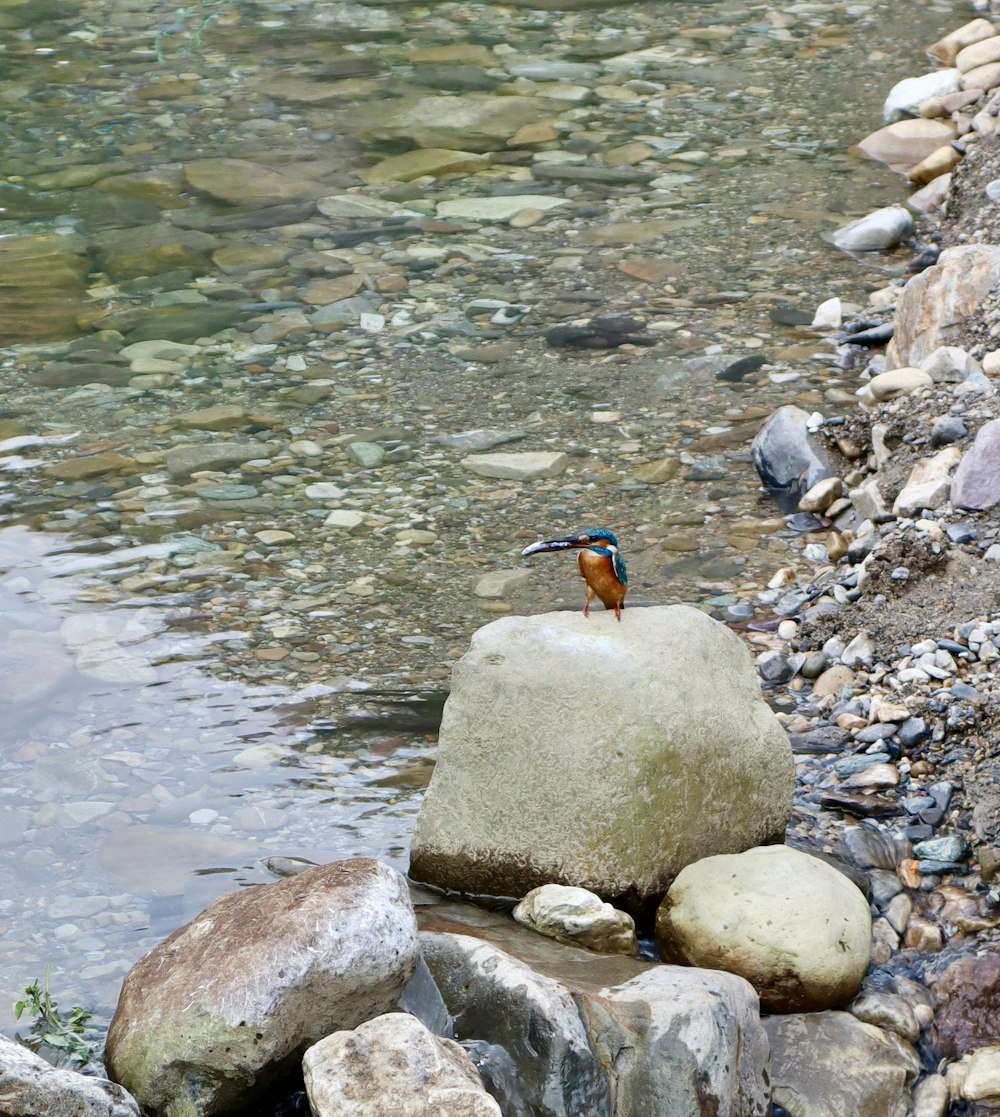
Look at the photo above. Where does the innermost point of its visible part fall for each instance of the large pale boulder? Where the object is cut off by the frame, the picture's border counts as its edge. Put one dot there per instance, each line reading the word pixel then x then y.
pixel 29 1087
pixel 829 1064
pixel 393 1066
pixel 936 305
pixel 229 1002
pixel 534 1019
pixel 607 755
pixel 798 930
pixel 682 1042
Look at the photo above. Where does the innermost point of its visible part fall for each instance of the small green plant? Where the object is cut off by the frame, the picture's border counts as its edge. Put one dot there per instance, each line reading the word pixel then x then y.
pixel 63 1032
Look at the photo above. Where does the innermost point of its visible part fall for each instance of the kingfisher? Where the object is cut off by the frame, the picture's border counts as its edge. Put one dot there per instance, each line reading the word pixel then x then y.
pixel 601 565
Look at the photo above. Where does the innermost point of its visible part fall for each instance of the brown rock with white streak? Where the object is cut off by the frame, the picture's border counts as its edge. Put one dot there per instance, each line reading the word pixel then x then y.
pixel 229 1002
pixel 937 304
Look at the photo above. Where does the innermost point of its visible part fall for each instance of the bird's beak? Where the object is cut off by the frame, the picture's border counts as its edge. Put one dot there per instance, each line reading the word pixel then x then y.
pixel 554 545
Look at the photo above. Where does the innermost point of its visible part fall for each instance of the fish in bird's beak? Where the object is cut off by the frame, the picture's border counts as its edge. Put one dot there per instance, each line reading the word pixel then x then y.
pixel 556 545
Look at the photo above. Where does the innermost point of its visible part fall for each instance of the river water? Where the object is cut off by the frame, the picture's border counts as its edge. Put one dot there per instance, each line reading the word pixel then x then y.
pixel 214 659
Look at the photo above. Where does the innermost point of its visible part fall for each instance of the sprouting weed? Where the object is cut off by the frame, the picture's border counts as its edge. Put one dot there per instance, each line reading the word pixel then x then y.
pixel 63 1032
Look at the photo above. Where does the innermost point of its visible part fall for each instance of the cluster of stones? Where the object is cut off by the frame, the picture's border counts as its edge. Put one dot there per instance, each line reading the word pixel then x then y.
pixel 324 967
pixel 931 121
pixel 884 652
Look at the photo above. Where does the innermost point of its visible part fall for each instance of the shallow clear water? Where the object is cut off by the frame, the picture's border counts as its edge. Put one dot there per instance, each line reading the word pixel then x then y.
pixel 181 698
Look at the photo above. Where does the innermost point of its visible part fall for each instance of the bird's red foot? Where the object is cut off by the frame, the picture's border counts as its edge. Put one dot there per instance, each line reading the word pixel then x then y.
pixel 618 611
pixel 586 609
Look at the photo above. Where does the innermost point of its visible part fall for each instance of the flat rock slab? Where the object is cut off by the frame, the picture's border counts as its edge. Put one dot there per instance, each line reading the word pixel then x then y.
pixel 497 209
pixel 220 456
pixel 527 466
pixel 241 182
pixel 474 123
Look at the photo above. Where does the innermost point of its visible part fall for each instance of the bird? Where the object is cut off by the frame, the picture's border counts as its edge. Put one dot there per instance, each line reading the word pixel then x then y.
pixel 601 565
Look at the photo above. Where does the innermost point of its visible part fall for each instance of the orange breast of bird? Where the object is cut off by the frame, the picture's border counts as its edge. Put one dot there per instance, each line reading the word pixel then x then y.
pixel 598 572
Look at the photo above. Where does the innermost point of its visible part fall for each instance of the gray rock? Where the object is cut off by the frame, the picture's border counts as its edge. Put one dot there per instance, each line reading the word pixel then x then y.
pixel 496 998
pixel 393 1066
pixel 884 228
pixel 793 926
pixel 218 456
pixel 950 364
pixel 480 439
pixel 31 1087
pixel 947 429
pixel 682 1041
pixel 228 1003
pixel 829 1064
pixel 976 484
pixel 687 754
pixel 786 456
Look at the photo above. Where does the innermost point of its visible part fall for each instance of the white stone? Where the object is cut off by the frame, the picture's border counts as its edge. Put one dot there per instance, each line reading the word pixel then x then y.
pixel 324 490
pixel 881 229
pixel 500 208
pixel 829 315
pixel 790 924
pixel 393 1066
pixel 529 465
pixel 929 483
pixel 931 1097
pixel 347 519
pixel 906 96
pixel 574 915
pixel 822 495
